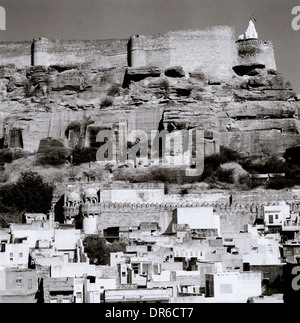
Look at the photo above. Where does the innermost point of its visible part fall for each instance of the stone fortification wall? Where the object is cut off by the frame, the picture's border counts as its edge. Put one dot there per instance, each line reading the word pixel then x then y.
pixel 254 51
pixel 212 50
pixel 192 49
pixel 92 53
pixel 233 217
pixel 244 208
pixel 16 52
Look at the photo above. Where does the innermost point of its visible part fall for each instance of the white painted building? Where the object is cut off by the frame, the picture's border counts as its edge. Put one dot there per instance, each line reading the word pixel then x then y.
pixel 14 255
pixel 199 218
pixel 266 253
pixel 236 287
pixel 276 215
pixel 31 233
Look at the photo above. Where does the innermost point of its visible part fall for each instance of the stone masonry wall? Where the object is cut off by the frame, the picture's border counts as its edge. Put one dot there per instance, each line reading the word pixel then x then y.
pixel 192 49
pixel 92 53
pixel 256 51
pixel 17 53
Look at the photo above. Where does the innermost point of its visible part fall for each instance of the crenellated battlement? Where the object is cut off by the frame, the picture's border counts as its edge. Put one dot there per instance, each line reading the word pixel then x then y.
pixel 100 216
pixel 92 208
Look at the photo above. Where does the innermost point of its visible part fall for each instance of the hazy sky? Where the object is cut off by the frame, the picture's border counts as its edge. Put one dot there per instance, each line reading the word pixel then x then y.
pixel 99 19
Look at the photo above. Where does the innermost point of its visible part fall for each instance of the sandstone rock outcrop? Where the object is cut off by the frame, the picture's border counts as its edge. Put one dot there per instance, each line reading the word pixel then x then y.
pixel 255 114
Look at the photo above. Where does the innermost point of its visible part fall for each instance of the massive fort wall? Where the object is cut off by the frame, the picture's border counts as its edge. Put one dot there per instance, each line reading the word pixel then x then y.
pixel 254 51
pixel 212 50
pixel 18 53
pixel 91 53
pixel 256 114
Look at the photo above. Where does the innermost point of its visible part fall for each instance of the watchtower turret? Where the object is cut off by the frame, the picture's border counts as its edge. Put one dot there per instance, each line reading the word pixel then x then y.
pixel 253 52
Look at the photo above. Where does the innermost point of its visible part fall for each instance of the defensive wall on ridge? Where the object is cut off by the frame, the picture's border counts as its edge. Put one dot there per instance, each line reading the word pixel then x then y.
pixel 255 51
pixel 91 53
pixel 147 202
pixel 212 50
pixel 233 217
pixel 16 52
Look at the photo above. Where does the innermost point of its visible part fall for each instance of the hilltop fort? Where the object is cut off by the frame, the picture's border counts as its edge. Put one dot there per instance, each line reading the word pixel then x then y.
pixel 213 50
pixel 206 79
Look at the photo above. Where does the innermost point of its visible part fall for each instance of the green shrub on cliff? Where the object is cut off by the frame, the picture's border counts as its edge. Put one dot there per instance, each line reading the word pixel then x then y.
pixel 6 156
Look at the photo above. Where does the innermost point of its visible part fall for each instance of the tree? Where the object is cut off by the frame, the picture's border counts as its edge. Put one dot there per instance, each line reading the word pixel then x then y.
pixel 9 214
pixel 97 247
pixel 83 155
pixel 29 194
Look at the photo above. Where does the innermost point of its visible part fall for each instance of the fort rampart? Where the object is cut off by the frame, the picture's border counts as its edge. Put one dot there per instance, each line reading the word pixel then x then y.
pixel 254 51
pixel 233 217
pixel 90 53
pixel 212 50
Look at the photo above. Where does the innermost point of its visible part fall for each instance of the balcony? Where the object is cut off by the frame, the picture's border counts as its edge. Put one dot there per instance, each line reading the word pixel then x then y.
pixel 290 225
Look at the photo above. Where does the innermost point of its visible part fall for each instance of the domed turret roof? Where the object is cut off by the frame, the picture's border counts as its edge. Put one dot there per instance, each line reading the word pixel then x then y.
pixel 91 192
pixel 73 196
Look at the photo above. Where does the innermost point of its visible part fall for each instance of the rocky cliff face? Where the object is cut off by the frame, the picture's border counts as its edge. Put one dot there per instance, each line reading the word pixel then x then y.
pixel 255 113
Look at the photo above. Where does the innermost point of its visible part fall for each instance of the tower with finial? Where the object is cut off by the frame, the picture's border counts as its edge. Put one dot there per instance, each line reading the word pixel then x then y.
pixel 253 52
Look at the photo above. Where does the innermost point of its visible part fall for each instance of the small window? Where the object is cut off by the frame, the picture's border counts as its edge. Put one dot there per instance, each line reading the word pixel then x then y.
pixel 276 216
pixel 19 281
pixel 20 254
pixel 135 268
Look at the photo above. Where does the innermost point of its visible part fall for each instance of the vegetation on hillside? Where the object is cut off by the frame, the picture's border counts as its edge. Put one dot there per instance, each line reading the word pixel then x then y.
pixel 215 175
pixel 52 157
pixel 30 193
pixel 83 155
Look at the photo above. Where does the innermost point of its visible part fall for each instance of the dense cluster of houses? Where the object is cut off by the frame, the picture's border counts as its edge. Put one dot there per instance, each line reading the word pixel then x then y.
pixel 43 260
